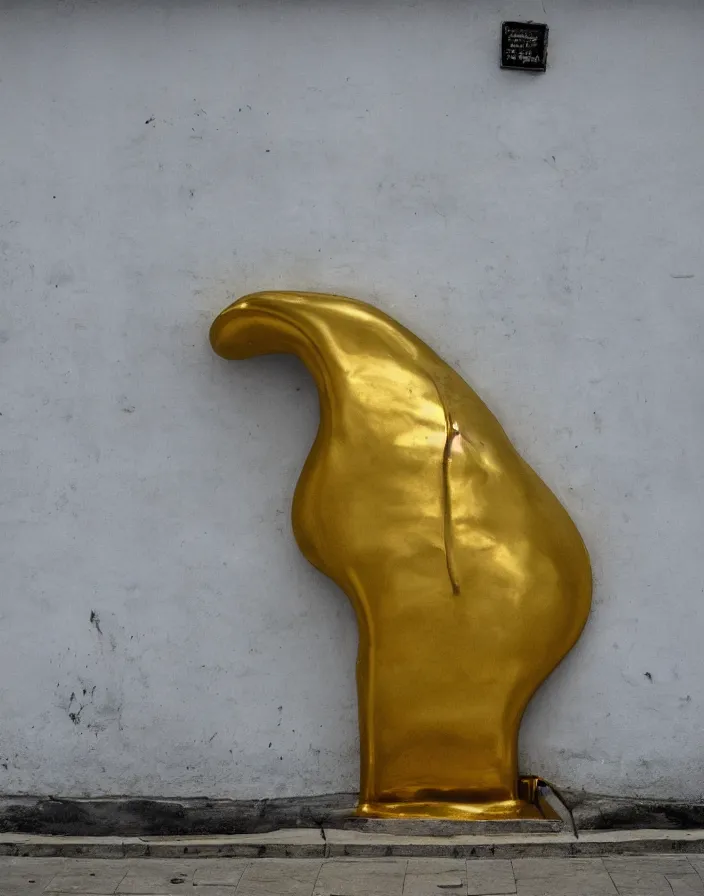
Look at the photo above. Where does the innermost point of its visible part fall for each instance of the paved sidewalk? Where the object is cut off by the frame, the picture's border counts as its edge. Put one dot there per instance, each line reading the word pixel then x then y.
pixel 647 875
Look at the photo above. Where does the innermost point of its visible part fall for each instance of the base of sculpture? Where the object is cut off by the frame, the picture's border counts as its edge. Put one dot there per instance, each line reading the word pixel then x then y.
pixel 531 805
pixel 508 809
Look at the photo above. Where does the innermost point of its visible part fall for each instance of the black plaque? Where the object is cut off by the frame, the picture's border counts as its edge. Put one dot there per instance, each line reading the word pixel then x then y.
pixel 524 46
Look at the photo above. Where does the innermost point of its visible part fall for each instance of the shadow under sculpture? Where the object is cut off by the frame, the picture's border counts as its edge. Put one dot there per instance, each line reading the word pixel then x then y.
pixel 469 580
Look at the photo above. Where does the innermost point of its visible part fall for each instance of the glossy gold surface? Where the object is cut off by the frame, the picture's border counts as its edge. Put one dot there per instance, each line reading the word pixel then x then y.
pixel 469 580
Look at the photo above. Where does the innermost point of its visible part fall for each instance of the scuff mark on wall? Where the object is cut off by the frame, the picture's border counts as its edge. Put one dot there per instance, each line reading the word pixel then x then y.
pixel 95 621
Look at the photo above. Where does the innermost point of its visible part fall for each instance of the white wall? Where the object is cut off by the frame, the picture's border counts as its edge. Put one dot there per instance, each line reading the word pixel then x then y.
pixel 544 234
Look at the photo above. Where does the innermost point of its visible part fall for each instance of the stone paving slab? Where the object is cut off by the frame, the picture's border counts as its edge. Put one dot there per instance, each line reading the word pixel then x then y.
pixel 279 877
pixel 648 884
pixel 659 864
pixel 155 876
pixel 566 877
pixel 98 876
pixel 361 877
pixel 686 884
pixel 697 862
pixel 654 875
pixel 27 877
pixel 219 873
pixel 493 876
pixel 433 877
pixel 647 875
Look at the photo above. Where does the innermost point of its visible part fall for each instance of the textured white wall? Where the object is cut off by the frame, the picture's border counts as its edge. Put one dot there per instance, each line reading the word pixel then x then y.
pixel 159 632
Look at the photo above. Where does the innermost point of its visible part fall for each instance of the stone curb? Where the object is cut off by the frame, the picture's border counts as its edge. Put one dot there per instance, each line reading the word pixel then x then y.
pixel 313 843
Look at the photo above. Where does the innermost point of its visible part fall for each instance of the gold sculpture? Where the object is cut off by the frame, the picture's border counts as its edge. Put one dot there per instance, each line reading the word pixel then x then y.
pixel 468 578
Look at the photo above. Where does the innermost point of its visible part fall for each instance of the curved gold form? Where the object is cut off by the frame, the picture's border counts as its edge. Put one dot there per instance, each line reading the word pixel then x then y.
pixel 469 580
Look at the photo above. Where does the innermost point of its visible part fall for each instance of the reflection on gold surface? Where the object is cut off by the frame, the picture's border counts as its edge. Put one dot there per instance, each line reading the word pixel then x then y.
pixel 469 580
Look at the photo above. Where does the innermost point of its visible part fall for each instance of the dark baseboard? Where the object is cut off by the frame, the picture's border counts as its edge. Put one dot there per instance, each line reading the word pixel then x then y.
pixel 150 817
pixel 139 817
pixel 592 812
